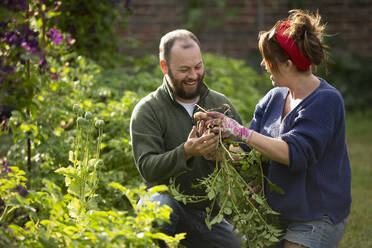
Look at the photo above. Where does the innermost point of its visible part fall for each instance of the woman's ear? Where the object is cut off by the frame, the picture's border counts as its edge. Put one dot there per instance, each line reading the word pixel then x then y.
pixel 163 67
pixel 289 64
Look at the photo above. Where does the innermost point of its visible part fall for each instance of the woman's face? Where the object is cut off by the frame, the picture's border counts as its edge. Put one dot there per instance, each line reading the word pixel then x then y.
pixel 277 78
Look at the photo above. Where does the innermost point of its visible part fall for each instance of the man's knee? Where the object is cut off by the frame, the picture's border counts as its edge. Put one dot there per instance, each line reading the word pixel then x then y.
pixel 162 198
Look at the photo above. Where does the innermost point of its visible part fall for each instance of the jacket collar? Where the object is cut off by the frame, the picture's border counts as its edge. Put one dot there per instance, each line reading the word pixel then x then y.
pixel 166 86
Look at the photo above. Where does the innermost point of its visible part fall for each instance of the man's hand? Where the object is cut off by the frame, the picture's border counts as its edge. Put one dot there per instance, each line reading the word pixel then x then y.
pixel 203 146
pixel 213 156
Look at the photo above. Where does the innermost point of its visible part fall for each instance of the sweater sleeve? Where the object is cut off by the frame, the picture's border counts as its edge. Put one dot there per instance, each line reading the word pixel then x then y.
pixel 257 118
pixel 235 113
pixel 313 129
pixel 259 111
pixel 154 163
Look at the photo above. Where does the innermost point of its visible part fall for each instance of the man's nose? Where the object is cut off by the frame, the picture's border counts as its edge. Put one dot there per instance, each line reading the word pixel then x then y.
pixel 193 74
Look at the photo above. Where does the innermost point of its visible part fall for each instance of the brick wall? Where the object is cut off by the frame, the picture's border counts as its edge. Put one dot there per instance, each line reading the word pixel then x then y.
pixel 237 36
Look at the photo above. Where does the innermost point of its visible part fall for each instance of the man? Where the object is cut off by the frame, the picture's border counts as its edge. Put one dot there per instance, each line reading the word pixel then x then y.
pixel 165 141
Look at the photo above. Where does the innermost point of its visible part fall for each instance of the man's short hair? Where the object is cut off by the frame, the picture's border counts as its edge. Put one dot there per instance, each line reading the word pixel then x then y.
pixel 167 42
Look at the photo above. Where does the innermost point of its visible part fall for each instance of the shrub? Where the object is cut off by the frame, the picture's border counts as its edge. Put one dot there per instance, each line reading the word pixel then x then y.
pixel 350 74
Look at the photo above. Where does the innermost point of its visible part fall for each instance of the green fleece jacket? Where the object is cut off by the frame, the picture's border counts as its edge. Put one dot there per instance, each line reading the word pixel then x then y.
pixel 159 128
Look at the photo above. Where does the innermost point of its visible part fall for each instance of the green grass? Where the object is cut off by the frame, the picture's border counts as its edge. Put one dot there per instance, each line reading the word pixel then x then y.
pixel 359 140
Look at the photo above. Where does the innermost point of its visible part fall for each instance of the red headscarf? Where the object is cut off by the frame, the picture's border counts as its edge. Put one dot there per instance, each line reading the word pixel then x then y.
pixel 291 48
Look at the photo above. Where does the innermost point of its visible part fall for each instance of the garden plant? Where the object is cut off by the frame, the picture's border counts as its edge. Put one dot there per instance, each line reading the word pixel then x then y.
pixel 67 176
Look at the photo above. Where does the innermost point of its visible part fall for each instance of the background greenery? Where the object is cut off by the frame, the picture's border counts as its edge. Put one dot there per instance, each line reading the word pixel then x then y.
pixel 37 205
pixel 358 138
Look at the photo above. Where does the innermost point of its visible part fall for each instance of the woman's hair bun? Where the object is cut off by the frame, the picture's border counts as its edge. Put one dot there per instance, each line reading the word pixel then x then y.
pixel 308 32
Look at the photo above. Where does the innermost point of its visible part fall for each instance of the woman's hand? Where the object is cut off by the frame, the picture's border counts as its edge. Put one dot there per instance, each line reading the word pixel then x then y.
pixel 218 122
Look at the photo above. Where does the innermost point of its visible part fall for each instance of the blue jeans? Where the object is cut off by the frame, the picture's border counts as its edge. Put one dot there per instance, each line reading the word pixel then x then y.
pixel 321 233
pixel 192 222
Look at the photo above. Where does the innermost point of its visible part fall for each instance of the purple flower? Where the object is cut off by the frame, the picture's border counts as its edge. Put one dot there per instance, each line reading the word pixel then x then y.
pixel 42 62
pixel 54 76
pixel 6 169
pixel 55 36
pixel 24 37
pixel 8 69
pixel 10 37
pixel 5 164
pixel 27 47
pixel 70 40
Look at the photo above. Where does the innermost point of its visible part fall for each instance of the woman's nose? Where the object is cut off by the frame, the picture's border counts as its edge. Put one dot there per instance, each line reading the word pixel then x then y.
pixel 263 63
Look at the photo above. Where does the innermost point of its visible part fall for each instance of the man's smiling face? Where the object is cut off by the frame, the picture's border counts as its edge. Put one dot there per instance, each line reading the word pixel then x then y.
pixel 186 70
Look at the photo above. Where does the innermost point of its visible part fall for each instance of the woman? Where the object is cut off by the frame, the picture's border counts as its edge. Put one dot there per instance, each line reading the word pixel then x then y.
pixel 300 126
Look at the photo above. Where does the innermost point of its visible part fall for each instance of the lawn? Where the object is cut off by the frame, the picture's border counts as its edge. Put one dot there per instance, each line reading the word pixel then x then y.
pixel 359 140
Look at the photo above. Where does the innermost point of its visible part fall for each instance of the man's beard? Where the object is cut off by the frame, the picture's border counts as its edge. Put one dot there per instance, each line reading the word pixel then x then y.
pixel 178 90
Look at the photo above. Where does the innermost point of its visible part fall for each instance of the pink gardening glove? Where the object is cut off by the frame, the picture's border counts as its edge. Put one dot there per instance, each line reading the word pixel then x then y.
pixel 229 128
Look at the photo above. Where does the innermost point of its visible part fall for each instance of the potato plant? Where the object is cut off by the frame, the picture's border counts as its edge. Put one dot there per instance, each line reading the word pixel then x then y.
pixel 50 218
pixel 231 188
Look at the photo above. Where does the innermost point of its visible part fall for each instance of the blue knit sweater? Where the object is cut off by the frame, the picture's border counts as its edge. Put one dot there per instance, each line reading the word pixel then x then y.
pixel 317 181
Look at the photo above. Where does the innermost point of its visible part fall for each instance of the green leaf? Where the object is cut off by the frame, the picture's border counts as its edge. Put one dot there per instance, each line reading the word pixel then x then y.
pixel 227 210
pixel 158 188
pixel 274 239
pixel 29 127
pixel 118 186
pixel 258 199
pixel 53 14
pixel 71 156
pixel 211 195
pixel 75 207
pixel 66 171
pixel 74 188
pixel 274 187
